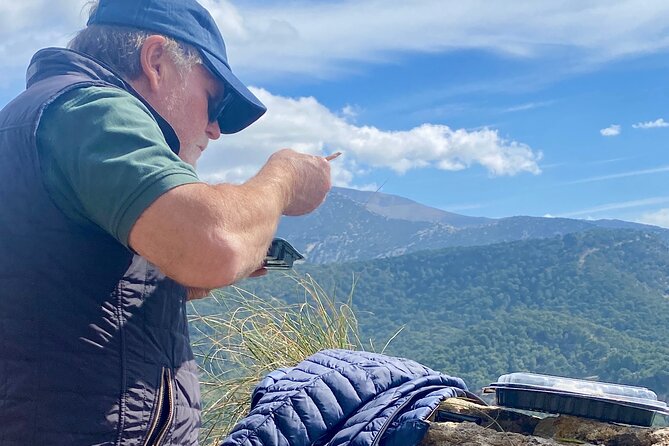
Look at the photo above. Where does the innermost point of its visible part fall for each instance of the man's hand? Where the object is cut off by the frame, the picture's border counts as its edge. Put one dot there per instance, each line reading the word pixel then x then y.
pixel 310 177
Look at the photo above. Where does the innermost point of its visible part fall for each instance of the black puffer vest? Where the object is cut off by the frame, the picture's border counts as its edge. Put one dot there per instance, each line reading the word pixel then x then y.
pixel 94 346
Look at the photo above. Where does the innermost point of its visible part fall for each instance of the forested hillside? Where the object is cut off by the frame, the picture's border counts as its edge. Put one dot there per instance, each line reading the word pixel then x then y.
pixel 586 304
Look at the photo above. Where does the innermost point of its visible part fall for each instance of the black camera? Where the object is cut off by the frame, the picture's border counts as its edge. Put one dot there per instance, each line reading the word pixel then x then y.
pixel 281 255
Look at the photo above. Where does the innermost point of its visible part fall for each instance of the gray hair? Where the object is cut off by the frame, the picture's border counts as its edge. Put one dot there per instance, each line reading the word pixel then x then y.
pixel 120 47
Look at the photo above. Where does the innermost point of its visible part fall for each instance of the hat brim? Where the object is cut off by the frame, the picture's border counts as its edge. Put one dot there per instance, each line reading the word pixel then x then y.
pixel 240 108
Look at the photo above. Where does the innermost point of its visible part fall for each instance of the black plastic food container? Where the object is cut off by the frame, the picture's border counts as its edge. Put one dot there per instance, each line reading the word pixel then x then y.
pixel 589 399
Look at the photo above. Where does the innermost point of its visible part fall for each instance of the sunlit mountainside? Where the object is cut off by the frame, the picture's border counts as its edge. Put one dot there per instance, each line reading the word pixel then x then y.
pixel 356 225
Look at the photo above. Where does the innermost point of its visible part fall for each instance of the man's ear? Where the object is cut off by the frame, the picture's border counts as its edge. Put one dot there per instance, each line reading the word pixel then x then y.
pixel 154 61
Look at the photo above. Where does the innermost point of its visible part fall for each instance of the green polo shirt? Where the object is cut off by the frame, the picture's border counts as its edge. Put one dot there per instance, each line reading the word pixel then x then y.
pixel 104 159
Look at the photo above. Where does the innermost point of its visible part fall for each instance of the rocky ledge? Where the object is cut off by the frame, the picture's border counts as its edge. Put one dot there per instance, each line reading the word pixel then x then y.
pixel 495 426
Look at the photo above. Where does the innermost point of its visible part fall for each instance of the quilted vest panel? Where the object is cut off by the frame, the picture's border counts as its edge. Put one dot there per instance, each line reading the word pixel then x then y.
pixel 94 346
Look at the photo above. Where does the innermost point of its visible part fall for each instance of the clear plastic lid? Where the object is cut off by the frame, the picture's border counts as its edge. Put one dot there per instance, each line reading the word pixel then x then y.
pixel 584 387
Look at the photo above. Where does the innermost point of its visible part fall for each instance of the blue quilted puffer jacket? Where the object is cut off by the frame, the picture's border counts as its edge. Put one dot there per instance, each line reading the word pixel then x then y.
pixel 341 397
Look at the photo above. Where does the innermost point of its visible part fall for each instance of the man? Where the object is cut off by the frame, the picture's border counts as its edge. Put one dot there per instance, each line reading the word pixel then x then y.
pixel 105 226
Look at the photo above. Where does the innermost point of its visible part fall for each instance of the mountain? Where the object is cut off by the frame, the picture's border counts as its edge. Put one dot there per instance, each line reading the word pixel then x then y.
pixel 591 303
pixel 357 225
pixel 400 208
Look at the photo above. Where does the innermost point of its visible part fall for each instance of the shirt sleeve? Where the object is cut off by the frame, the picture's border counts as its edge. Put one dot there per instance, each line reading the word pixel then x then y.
pixel 104 159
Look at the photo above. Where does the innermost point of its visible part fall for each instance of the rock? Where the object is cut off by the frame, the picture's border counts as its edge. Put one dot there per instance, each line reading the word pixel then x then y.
pixel 492 417
pixel 493 426
pixel 596 432
pixel 471 434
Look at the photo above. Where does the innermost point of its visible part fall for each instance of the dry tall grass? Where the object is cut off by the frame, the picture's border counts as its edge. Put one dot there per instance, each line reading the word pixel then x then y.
pixel 252 336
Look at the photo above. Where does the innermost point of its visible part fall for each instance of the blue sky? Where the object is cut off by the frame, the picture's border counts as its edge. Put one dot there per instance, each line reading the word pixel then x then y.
pixel 486 108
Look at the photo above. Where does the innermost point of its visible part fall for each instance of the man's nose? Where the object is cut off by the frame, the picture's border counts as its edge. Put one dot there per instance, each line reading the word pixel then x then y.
pixel 213 130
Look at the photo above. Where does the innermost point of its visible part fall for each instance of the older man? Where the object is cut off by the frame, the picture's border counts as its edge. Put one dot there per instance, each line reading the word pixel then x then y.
pixel 105 227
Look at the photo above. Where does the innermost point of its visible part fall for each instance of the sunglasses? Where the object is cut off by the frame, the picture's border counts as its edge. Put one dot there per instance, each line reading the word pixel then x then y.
pixel 216 105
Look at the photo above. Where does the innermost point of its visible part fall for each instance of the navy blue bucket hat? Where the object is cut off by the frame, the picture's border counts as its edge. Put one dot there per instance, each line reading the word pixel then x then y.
pixel 188 22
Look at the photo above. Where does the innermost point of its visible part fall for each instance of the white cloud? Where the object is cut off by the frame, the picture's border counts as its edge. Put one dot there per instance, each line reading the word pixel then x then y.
pixel 306 125
pixel 371 187
pixel 325 38
pixel 608 161
pixel 651 124
pixel 631 173
pixel 612 130
pixel 617 206
pixel 528 106
pixel 657 218
pixel 28 25
pixel 350 112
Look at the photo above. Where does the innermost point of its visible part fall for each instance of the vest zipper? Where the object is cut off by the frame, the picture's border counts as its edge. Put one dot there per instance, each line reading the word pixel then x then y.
pixel 164 411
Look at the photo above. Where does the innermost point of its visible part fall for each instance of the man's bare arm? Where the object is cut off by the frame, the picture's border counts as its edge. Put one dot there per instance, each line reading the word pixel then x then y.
pixel 208 236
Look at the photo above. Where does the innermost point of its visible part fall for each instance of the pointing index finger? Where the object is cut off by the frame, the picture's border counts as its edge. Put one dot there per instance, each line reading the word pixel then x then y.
pixel 333 156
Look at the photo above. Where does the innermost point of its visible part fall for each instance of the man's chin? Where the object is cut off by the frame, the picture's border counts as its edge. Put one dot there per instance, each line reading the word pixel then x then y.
pixel 190 156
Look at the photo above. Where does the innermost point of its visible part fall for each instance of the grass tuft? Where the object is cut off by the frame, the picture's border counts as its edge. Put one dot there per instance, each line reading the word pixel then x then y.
pixel 252 336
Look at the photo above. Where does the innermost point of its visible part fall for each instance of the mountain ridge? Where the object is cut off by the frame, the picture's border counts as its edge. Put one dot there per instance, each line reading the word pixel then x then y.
pixel 357 225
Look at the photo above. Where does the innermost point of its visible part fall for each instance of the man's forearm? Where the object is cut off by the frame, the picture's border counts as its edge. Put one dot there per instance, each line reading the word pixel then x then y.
pixel 208 236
